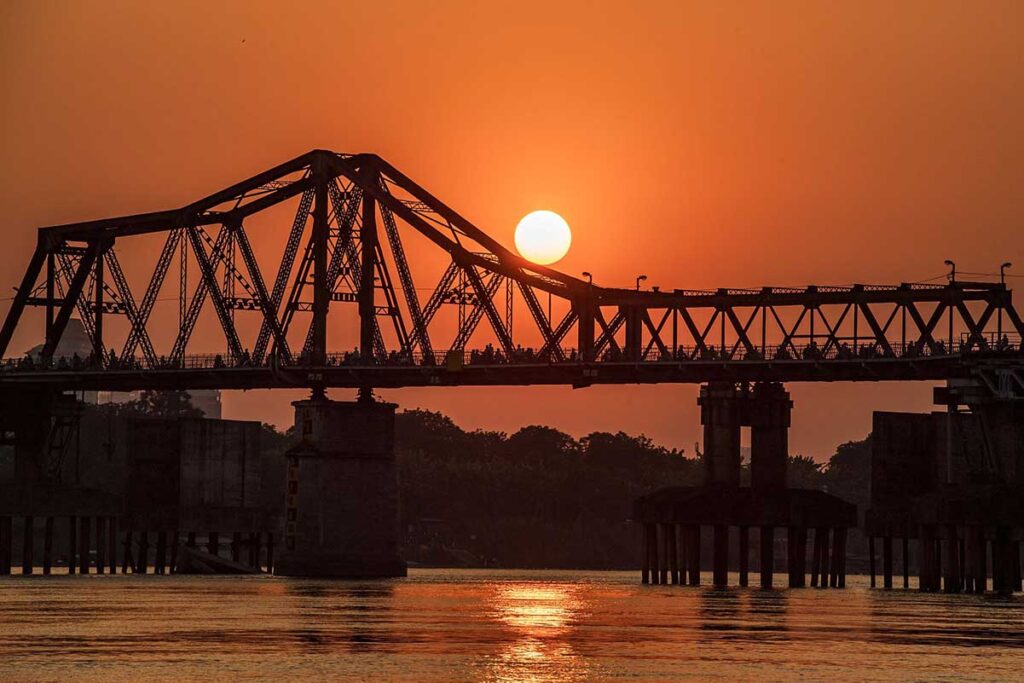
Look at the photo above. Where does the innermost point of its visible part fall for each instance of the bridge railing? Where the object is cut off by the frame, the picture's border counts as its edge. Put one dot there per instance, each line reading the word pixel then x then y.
pixel 846 350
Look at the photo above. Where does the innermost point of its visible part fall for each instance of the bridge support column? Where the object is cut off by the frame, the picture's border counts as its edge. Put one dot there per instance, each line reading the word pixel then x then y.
pixel 342 499
pixel 770 409
pixel 645 553
pixel 720 414
pixel 6 542
pixel 744 550
pixel 767 556
pixel 84 544
pixel 112 543
pixel 673 554
pixel 693 554
pixel 720 560
pixel 28 546
pixel 48 546
pixel 72 543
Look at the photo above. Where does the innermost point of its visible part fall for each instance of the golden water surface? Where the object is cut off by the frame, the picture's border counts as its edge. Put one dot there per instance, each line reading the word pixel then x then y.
pixel 454 625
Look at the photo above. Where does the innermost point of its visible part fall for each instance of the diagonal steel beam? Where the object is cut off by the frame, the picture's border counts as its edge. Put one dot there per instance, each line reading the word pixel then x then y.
pixel 210 278
pixel 284 270
pixel 265 303
pixel 70 300
pixel 156 281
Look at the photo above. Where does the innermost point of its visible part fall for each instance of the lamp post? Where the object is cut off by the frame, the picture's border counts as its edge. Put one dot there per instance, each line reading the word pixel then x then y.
pixel 999 313
pixel 590 278
pixel 952 272
pixel 639 279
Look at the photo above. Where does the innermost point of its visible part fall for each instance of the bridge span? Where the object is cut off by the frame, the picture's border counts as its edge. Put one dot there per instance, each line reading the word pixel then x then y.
pixel 370 281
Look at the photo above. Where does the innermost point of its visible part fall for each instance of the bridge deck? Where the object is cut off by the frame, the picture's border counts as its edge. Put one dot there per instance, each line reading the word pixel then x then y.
pixel 576 374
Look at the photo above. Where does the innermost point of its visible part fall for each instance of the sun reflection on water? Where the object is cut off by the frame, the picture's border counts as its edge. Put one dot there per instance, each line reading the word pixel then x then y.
pixel 541 620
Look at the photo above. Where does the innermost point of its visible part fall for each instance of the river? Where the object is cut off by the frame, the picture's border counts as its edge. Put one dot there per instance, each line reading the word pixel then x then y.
pixel 488 625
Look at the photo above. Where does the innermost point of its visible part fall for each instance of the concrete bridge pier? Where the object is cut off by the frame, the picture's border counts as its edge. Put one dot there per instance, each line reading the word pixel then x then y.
pixel 721 416
pixel 769 418
pixel 342 496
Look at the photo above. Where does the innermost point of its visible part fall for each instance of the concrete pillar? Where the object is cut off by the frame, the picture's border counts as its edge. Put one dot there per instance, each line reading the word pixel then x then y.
pixel 682 545
pixel 767 556
pixel 160 559
pixel 254 549
pixel 673 554
pixel 721 416
pixel 342 498
pixel 652 552
pixel 126 555
pixel 72 543
pixel 816 556
pixel 952 578
pixel 720 558
pixel 797 554
pixel 645 554
pixel 6 540
pixel 769 416
pixel 142 561
pixel 744 550
pixel 981 561
pixel 1002 562
pixel 173 564
pixel 839 557
pixel 665 554
pixel 28 546
pixel 887 562
pixel 871 559
pixel 84 544
pixel 48 546
pixel 112 543
pixel 906 562
pixel 824 571
pixel 101 544
pixel 1018 580
pixel 655 556
pixel 926 559
pixel 694 555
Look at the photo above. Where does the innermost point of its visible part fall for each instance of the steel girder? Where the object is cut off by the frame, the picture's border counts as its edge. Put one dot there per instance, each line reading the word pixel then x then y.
pixel 340 258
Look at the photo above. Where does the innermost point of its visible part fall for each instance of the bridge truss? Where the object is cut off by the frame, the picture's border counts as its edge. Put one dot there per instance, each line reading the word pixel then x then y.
pixel 464 310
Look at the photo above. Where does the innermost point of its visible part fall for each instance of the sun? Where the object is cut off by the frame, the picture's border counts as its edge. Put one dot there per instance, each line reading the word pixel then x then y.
pixel 543 237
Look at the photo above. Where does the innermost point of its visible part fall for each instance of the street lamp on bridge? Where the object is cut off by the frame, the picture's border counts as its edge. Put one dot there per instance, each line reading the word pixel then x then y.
pixel 590 278
pixel 639 279
pixel 952 272
pixel 1002 272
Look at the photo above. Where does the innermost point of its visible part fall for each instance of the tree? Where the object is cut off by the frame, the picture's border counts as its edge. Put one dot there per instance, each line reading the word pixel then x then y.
pixel 803 472
pixel 164 403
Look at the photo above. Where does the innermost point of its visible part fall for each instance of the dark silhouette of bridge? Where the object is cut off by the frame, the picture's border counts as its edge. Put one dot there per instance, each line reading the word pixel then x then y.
pixel 341 305
pixel 346 249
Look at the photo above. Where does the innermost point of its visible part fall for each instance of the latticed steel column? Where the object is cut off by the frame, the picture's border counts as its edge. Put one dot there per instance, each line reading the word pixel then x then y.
pixel 321 265
pixel 367 304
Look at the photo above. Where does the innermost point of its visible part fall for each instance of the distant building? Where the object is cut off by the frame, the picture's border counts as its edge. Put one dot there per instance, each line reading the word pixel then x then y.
pixel 74 342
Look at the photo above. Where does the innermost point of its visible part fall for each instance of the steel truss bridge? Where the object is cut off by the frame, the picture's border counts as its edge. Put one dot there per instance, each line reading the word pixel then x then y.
pixel 338 304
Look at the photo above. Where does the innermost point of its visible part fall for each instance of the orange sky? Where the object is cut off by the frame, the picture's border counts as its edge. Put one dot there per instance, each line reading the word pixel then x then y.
pixel 704 145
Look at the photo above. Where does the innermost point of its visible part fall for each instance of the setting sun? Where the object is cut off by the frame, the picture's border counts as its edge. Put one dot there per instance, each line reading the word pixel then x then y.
pixel 543 237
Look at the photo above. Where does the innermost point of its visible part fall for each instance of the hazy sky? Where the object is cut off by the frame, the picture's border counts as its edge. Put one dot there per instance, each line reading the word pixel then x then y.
pixel 703 144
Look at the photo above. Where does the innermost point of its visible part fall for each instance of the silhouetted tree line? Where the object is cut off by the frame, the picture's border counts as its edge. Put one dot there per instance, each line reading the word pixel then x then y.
pixel 539 498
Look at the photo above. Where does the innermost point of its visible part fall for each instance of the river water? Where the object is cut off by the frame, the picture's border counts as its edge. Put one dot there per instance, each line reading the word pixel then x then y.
pixel 479 625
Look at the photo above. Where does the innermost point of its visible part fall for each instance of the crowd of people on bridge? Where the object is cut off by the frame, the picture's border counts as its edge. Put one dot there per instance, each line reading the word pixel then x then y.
pixel 489 355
